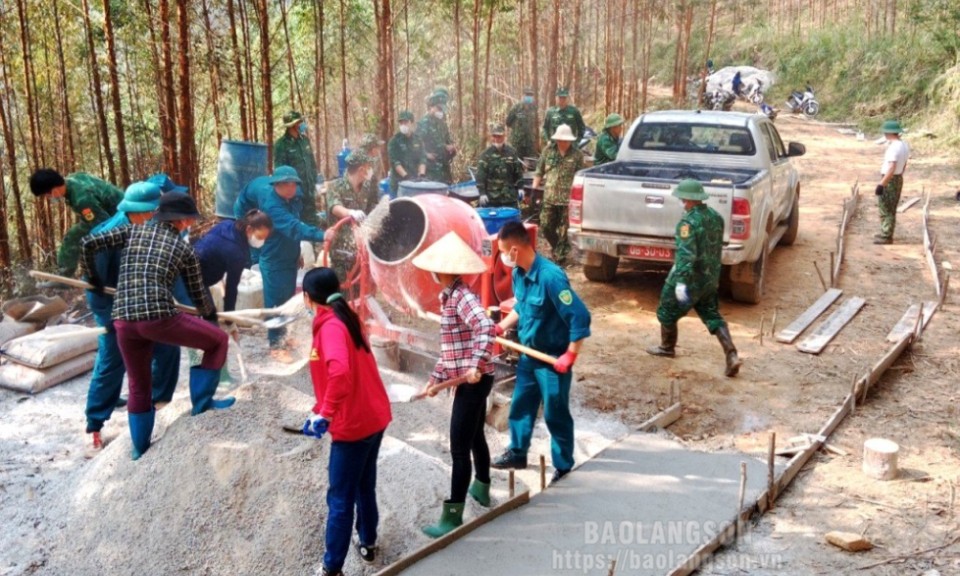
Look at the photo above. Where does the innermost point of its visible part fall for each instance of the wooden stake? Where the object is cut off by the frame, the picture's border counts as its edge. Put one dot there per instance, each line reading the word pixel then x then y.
pixel 820 275
pixel 743 489
pixel 771 479
pixel 761 329
pixel 773 324
pixel 543 472
pixel 513 485
pixel 833 279
pixel 853 394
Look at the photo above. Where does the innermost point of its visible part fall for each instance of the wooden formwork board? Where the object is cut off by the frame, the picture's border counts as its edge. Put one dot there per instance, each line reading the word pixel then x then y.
pixel 829 328
pixel 907 323
pixel 662 419
pixel 907 204
pixel 795 328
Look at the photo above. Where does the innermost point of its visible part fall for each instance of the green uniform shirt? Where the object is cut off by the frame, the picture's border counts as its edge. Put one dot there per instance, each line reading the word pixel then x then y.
pixel 522 122
pixel 435 135
pixel 296 152
pixel 568 115
pixel 94 200
pixel 697 262
pixel 557 172
pixel 607 147
pixel 341 193
pixel 499 174
pixel 405 151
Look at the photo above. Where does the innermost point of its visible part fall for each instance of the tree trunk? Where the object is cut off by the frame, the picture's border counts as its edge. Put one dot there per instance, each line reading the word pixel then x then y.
pixel 238 70
pixel 475 101
pixel 534 49
pixel 213 66
pixel 486 72
pixel 383 17
pixel 706 55
pixel 321 72
pixel 185 125
pixel 98 94
pixel 295 97
pixel 115 95
pixel 572 75
pixel 248 61
pixel 23 239
pixel 553 62
pixel 406 76
pixel 456 41
pixel 168 109
pixel 263 17
pixel 69 153
pixel 343 71
pixel 6 263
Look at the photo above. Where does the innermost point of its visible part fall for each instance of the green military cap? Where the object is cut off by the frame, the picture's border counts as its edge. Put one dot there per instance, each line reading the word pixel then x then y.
pixel 292 118
pixel 892 127
pixel 690 189
pixel 497 129
pixel 613 120
pixel 369 141
pixel 358 158
pixel 406 116
pixel 436 100
pixel 441 91
pixel 563 92
pixel 528 91
pixel 284 174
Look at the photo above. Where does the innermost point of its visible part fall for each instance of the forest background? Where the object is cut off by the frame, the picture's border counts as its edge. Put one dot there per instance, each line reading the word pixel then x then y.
pixel 126 88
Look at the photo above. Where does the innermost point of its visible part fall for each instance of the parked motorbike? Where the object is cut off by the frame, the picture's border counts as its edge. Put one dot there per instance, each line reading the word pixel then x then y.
pixel 805 102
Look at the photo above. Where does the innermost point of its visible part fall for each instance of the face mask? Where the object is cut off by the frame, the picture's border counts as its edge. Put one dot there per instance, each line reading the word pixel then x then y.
pixel 435 278
pixel 255 242
pixel 303 128
pixel 528 99
pixel 438 114
pixel 56 199
pixel 405 129
pixel 369 176
pixel 507 260
pixel 498 145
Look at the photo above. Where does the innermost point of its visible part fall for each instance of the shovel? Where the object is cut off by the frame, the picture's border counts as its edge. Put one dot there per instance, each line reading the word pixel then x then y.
pixel 434 389
pixel 536 354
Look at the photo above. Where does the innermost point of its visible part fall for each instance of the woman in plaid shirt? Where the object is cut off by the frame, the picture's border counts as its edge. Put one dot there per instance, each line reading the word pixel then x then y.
pixel 466 342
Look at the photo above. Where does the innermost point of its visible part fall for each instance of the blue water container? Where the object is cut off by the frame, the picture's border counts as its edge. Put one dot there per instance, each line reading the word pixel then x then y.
pixel 495 218
pixel 238 164
pixel 418 187
pixel 342 158
pixel 385 188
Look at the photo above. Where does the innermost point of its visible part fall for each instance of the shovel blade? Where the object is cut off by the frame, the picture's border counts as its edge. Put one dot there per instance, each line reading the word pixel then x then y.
pixel 278 322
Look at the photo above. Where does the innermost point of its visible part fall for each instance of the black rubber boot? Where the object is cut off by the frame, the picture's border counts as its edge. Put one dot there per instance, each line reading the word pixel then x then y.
pixel 668 342
pixel 730 351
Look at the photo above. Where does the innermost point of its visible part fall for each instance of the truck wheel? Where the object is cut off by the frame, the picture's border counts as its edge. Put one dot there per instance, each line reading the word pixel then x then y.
pixel 793 223
pixel 605 271
pixel 746 280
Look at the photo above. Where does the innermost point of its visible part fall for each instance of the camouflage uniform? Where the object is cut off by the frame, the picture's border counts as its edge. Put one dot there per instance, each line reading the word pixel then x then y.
pixel 499 173
pixel 295 151
pixel 341 193
pixel 370 144
pixel 697 264
pixel 607 147
pixel 557 172
pixel 568 115
pixel 522 121
pixel 95 201
pixel 435 135
pixel 406 151
pixel 887 204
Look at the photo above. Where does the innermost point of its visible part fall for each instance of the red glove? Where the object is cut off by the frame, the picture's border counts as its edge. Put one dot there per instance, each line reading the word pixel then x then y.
pixel 565 362
pixel 498 329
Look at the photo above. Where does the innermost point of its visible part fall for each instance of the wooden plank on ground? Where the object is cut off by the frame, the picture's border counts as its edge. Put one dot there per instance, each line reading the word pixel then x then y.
pixel 662 419
pixel 908 322
pixel 829 328
pixel 908 204
pixel 790 333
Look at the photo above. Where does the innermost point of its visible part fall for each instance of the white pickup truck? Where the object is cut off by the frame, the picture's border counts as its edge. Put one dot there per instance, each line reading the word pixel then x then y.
pixel 625 209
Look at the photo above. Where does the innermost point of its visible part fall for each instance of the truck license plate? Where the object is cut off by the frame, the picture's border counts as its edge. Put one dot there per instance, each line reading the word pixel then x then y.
pixel 650 253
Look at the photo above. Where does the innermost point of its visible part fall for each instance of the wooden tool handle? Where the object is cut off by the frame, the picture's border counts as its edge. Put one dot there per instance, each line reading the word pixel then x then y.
pixel 436 388
pixel 536 354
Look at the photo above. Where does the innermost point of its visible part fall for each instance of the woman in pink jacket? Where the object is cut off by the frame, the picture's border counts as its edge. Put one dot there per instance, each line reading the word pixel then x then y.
pixel 352 405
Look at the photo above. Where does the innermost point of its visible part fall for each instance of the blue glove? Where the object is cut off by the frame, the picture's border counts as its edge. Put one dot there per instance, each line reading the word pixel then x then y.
pixel 316 426
pixel 682 296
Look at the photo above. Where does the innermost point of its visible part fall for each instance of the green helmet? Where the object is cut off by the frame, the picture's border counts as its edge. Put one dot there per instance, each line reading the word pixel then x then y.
pixel 357 158
pixel 690 189
pixel 613 120
pixel 892 127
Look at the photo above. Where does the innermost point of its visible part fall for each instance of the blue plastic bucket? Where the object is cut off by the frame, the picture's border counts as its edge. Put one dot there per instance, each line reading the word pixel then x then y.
pixel 385 188
pixel 495 218
pixel 237 165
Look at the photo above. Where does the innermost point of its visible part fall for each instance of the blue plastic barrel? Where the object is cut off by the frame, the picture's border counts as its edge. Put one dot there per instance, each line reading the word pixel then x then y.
pixel 237 165
pixel 385 188
pixel 342 160
pixel 495 218
pixel 416 188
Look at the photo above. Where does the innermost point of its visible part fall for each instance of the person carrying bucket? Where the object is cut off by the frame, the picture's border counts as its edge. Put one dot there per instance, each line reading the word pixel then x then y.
pixel 499 173
pixel 466 344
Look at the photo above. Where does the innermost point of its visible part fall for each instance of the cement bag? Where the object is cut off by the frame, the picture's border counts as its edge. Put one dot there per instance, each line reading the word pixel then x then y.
pixel 37 351
pixel 30 380
pixel 38 309
pixel 307 254
pixel 250 291
pixel 10 329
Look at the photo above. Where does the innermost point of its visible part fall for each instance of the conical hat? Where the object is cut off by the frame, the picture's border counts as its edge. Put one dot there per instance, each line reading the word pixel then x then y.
pixel 450 255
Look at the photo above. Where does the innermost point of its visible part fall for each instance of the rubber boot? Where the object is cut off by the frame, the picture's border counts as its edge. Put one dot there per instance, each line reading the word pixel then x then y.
pixel 451 518
pixel 480 491
pixel 194 357
pixel 203 385
pixel 730 351
pixel 668 342
pixel 141 428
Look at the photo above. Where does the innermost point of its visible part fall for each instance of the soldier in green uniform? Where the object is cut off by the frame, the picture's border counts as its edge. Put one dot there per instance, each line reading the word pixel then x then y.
pixel 293 149
pixel 609 141
pixel 522 121
pixel 437 141
pixel 371 145
pixel 557 165
pixel 563 113
pixel 348 196
pixel 695 277
pixel 93 199
pixel 407 159
pixel 499 172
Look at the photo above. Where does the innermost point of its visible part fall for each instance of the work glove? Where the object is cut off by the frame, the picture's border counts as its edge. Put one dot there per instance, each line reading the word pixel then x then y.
pixel 565 362
pixel 879 190
pixel 358 216
pixel 484 199
pixel 211 317
pixel 682 296
pixel 316 426
pixel 96 284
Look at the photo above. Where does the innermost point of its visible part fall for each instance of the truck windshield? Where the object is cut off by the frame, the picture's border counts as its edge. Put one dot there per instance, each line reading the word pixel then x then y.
pixel 696 138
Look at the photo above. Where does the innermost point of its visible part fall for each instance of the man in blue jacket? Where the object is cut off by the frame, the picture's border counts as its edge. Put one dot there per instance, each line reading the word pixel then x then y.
pixel 280 198
pixel 138 205
pixel 551 318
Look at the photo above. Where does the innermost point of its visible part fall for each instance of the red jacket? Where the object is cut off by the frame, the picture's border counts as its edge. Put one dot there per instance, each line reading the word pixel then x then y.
pixel 346 382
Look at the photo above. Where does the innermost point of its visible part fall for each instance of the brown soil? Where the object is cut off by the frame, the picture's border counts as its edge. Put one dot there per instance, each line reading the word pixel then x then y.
pixel 783 390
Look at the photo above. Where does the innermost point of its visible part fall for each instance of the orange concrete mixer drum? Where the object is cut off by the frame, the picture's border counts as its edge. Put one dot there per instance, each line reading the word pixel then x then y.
pixel 412 224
